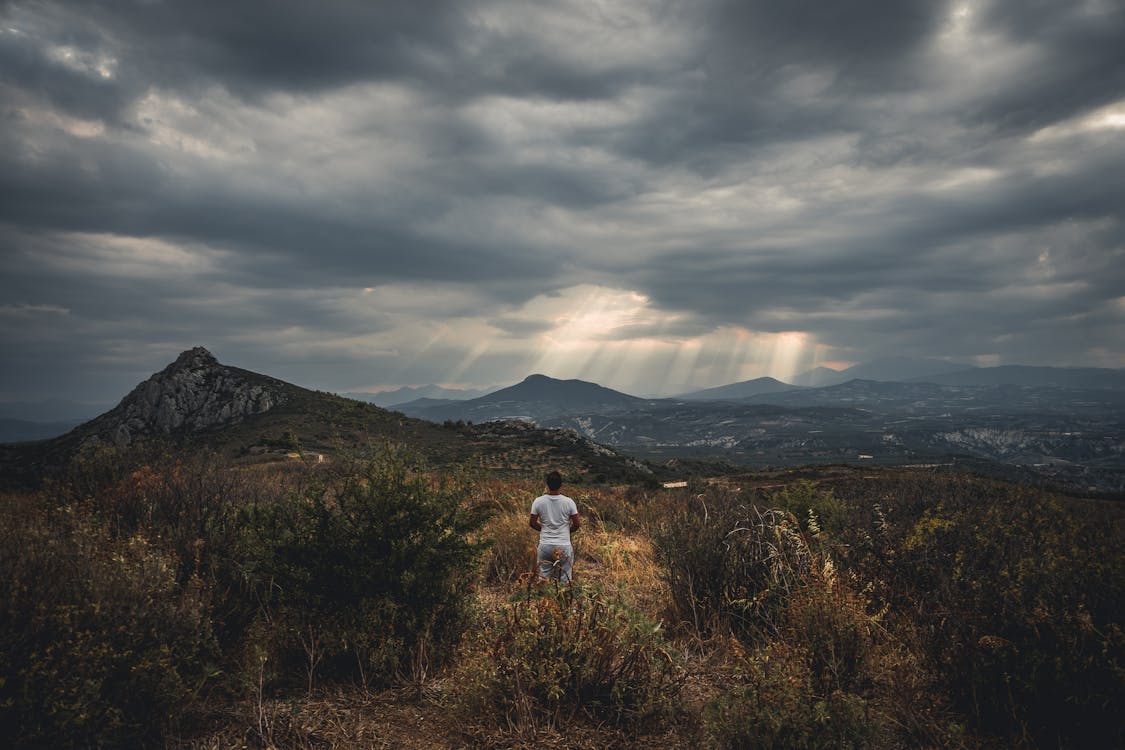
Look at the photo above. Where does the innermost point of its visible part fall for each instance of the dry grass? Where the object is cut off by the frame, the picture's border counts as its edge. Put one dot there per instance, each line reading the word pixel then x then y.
pixel 830 630
pixel 624 562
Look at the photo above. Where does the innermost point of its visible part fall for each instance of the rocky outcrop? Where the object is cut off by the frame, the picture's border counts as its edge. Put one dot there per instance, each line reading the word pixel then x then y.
pixel 193 394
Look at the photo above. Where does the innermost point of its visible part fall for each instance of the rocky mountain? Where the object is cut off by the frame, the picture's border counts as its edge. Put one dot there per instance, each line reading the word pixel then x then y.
pixel 193 394
pixel 198 403
pixel 535 399
pixel 744 389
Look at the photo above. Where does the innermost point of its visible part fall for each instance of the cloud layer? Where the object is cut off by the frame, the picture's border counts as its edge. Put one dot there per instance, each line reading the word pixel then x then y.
pixel 653 194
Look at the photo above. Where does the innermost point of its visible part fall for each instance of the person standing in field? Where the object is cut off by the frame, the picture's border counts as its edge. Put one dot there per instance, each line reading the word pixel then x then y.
pixel 555 517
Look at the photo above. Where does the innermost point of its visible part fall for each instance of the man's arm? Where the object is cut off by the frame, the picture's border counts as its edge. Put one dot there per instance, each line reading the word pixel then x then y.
pixel 575 522
pixel 533 522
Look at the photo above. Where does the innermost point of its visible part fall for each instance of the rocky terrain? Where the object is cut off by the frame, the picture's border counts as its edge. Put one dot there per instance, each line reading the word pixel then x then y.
pixel 193 394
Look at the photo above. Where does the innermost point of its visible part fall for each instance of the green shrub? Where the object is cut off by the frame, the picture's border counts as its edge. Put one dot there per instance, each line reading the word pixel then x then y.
pixel 811 685
pixel 368 574
pixel 818 509
pixel 775 705
pixel 100 645
pixel 555 651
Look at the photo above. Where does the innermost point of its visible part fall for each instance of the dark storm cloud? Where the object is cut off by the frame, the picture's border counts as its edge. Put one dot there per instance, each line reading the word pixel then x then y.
pixel 249 48
pixel 1078 65
pixel 753 54
pixel 253 49
pixel 386 185
pixel 863 37
pixel 119 190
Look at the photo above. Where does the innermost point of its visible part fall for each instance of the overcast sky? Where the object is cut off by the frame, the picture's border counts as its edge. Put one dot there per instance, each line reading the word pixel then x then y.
pixel 650 194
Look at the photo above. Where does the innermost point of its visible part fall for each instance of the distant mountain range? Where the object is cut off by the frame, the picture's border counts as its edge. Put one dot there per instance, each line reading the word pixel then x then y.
pixel 47 418
pixel 19 430
pixel 413 393
pixel 941 372
pixel 1064 425
pixel 735 391
pixel 1054 377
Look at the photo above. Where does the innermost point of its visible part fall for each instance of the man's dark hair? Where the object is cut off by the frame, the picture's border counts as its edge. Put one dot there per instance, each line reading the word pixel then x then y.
pixel 554 481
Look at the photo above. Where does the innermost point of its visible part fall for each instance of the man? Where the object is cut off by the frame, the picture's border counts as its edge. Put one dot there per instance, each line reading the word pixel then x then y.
pixel 555 517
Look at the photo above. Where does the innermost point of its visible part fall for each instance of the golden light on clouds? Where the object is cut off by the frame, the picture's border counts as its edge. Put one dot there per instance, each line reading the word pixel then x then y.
pixel 615 337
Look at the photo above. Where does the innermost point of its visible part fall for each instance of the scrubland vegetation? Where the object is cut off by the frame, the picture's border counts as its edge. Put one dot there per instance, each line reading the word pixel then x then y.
pixel 371 602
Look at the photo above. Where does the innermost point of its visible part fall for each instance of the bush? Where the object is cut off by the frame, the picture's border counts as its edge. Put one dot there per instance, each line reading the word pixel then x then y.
pixel 99 642
pixel 810 687
pixel 818 509
pixel 1015 597
pixel 367 571
pixel 775 705
pixel 729 564
pixel 555 651
pixel 831 625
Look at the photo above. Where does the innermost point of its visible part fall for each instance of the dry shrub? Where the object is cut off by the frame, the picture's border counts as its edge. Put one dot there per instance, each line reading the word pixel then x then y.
pixel 557 651
pixel 610 510
pixel 776 705
pixel 511 551
pixel 99 642
pixel 729 564
pixel 831 624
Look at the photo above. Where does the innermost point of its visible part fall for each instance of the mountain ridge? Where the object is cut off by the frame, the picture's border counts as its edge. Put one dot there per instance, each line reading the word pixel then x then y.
pixel 535 398
pixel 742 389
pixel 198 403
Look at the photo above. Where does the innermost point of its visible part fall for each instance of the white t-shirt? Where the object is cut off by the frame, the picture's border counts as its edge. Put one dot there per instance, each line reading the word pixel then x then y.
pixel 554 513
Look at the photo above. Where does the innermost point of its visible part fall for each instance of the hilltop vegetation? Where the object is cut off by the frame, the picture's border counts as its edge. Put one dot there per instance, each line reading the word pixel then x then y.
pixel 371 601
pixel 197 403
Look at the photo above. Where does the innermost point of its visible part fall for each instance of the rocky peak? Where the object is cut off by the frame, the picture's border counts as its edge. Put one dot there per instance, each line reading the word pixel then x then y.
pixel 193 359
pixel 193 394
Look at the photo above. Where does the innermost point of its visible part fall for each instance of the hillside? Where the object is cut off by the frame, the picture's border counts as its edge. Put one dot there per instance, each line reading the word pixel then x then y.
pixel 733 391
pixel 197 402
pixel 537 398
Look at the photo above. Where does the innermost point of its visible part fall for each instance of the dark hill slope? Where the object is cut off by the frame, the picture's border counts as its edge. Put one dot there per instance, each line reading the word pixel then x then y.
pixel 743 389
pixel 197 403
pixel 537 398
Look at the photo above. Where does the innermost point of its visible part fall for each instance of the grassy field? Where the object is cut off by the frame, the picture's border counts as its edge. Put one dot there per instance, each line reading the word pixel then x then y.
pixel 373 602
